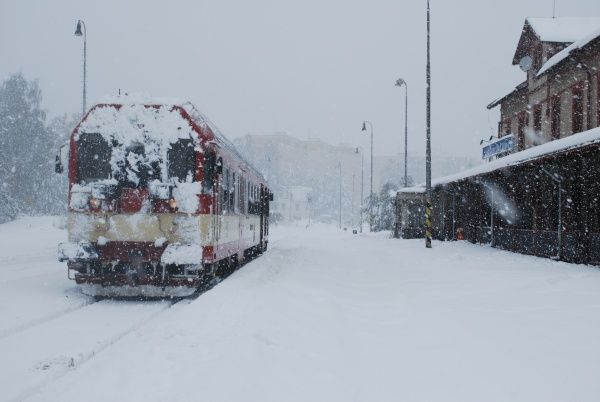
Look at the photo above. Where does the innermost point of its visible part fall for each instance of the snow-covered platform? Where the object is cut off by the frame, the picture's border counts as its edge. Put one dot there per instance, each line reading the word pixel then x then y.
pixel 324 315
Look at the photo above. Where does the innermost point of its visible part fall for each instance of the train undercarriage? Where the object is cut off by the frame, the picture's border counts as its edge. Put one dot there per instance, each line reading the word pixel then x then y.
pixel 137 276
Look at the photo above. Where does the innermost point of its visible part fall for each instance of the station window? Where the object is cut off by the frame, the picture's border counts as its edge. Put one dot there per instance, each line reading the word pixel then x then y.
pixel 537 119
pixel 506 127
pixel 522 126
pixel 577 108
pixel 555 109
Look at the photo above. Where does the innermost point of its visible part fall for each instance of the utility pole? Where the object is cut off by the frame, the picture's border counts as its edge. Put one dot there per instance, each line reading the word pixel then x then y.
pixel 364 128
pixel 399 83
pixel 353 211
pixel 362 184
pixel 79 32
pixel 428 211
pixel 340 167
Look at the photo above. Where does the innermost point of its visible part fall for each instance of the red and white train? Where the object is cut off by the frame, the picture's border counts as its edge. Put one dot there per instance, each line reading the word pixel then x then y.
pixel 160 203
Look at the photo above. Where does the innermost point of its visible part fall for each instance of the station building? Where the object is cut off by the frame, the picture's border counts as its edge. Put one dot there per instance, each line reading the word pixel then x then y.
pixel 542 195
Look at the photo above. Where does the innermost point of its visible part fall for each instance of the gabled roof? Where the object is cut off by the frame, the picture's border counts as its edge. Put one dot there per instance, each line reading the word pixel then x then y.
pixel 563 29
pixel 556 30
pixel 570 50
pixel 498 101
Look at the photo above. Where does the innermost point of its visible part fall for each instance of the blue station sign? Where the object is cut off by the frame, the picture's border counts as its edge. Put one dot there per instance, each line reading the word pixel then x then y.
pixel 504 144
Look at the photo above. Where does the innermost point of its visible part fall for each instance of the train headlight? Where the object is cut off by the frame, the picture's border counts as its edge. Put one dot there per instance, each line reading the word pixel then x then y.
pixel 172 203
pixel 95 203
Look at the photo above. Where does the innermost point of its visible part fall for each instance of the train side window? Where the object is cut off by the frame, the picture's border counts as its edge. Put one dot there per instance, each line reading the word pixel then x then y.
pixel 248 199
pixel 233 192
pixel 225 191
pixel 181 160
pixel 209 167
pixel 242 195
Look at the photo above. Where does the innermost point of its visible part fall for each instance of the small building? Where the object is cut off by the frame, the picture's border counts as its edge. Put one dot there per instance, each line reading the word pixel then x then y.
pixel 560 95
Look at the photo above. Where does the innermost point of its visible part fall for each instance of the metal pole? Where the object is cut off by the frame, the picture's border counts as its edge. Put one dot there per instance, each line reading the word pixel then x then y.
pixel 492 219
pixel 353 209
pixel 362 187
pixel 340 166
pixel 405 135
pixel 371 194
pixel 84 66
pixel 428 210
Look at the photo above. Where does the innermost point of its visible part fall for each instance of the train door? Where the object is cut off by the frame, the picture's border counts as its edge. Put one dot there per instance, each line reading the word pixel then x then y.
pixel 261 204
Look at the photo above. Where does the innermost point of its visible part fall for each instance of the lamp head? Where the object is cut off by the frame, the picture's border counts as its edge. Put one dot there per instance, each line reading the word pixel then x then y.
pixel 400 82
pixel 364 127
pixel 481 142
pixel 78 29
pixel 356 151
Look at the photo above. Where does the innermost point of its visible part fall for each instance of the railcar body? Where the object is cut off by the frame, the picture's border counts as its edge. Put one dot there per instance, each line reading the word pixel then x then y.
pixel 160 202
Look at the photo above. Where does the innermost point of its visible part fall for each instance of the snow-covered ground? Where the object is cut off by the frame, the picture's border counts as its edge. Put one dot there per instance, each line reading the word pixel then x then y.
pixel 324 315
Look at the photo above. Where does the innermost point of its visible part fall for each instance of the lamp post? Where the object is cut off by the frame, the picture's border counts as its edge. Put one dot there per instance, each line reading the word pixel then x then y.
pixel 362 185
pixel 428 212
pixel 340 204
pixel 399 83
pixel 364 128
pixel 79 32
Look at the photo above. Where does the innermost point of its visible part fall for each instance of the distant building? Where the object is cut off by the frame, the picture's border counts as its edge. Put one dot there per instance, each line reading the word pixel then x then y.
pixel 560 96
pixel 292 204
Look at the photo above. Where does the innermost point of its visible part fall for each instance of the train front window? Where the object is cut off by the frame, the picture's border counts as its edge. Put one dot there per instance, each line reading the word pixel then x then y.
pixel 137 169
pixel 93 158
pixel 181 160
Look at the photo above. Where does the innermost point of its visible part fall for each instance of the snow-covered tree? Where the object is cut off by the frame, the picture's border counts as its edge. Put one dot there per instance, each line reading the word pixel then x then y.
pixel 27 149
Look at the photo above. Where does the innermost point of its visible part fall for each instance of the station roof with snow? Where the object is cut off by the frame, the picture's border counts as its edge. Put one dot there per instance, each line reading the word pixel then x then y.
pixel 570 50
pixel 575 141
pixel 563 29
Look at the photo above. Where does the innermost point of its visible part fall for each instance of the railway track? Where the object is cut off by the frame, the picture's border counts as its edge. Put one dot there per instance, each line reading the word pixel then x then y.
pixel 40 321
pixel 37 354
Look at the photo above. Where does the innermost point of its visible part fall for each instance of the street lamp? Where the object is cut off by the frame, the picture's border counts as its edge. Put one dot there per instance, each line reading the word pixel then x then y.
pixel 364 128
pixel 79 32
pixel 428 212
pixel 340 167
pixel 362 185
pixel 399 83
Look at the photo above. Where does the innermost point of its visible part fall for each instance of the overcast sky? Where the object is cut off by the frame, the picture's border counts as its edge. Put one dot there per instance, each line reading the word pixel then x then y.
pixel 312 68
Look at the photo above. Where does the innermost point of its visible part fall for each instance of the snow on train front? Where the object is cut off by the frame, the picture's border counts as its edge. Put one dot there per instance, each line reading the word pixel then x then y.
pixel 141 180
